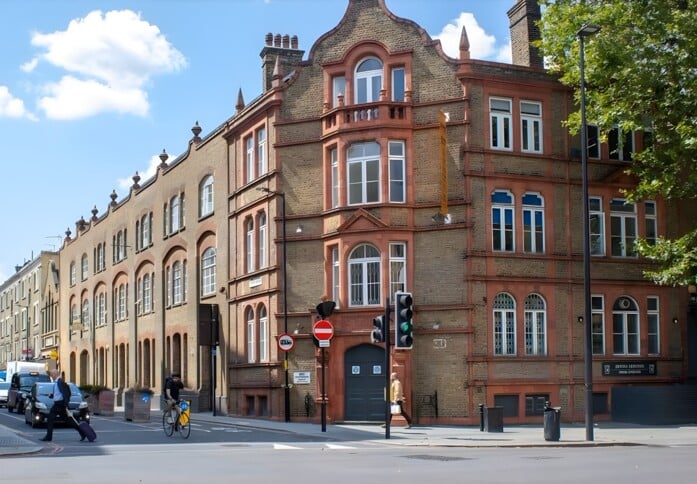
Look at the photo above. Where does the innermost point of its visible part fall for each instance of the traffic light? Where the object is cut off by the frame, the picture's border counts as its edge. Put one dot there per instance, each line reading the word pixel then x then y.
pixel 403 325
pixel 378 334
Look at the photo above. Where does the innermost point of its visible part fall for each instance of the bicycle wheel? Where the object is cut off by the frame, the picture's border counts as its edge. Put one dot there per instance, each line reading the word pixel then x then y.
pixel 168 423
pixel 184 428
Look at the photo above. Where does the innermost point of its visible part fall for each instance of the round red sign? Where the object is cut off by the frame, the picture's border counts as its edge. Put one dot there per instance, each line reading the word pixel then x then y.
pixel 323 330
pixel 285 342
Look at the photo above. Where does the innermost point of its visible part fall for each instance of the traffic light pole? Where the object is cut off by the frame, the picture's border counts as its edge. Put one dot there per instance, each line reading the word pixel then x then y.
pixel 388 400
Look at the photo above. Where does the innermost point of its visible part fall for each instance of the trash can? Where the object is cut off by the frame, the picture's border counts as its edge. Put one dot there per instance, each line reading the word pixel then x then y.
pixel 493 419
pixel 551 423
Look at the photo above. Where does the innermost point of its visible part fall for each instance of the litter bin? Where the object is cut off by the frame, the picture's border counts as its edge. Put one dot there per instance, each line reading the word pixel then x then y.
pixel 551 423
pixel 493 419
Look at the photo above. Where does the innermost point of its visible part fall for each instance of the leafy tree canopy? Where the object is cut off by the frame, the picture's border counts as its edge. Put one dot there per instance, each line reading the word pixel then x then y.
pixel 641 74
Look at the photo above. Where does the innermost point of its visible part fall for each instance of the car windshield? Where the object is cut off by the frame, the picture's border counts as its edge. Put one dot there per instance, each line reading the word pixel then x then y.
pixel 25 382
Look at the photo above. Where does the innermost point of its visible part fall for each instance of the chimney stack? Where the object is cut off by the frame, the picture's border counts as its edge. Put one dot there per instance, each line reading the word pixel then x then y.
pixel 523 17
pixel 285 49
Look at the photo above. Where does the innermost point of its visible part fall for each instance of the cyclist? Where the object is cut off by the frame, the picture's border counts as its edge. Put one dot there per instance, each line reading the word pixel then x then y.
pixel 172 387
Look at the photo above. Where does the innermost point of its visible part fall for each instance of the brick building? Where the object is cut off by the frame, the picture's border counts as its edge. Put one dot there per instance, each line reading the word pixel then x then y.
pixel 372 165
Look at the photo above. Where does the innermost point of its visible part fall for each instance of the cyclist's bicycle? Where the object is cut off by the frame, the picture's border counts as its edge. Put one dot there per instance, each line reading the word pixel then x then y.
pixel 177 421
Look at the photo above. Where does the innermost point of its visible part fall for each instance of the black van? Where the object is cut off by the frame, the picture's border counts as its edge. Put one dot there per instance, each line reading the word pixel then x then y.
pixel 20 386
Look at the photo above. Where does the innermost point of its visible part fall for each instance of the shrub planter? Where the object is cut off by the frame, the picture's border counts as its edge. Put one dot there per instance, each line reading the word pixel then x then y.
pixel 136 406
pixel 105 404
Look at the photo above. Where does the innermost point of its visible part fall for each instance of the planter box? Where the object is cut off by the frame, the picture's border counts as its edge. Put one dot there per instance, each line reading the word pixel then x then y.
pixel 105 405
pixel 136 406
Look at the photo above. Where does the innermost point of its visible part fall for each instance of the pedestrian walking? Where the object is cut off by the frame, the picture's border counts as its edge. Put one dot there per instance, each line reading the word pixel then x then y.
pixel 60 397
pixel 397 397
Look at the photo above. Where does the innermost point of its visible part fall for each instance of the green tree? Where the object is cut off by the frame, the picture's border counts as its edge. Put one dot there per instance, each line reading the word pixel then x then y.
pixel 641 74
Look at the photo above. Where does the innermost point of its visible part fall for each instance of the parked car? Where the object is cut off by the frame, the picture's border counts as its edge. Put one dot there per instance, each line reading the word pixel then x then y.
pixel 20 386
pixel 39 402
pixel 4 388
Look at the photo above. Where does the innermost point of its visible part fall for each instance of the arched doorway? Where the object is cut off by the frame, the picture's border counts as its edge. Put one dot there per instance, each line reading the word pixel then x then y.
pixel 364 368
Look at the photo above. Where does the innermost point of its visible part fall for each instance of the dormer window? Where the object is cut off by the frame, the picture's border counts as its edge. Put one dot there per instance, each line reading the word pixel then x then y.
pixel 368 81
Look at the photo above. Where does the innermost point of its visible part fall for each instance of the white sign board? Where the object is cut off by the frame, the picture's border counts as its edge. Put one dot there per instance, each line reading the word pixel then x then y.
pixel 301 377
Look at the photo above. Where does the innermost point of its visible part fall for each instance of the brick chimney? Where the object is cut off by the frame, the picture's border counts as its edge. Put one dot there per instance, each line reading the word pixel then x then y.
pixel 523 17
pixel 284 48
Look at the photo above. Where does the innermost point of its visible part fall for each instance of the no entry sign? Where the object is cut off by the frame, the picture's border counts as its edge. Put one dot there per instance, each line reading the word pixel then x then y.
pixel 285 342
pixel 323 330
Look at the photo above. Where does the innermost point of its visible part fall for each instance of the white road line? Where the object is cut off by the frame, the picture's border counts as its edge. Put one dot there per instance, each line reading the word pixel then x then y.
pixel 339 447
pixel 285 447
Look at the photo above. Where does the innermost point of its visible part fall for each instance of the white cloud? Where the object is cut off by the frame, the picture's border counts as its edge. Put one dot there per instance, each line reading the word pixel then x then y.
pixel 112 55
pixel 12 107
pixel 482 45
pixel 30 65
pixel 125 184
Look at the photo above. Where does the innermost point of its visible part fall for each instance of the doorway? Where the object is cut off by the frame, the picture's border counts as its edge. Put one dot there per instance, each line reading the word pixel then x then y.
pixel 364 374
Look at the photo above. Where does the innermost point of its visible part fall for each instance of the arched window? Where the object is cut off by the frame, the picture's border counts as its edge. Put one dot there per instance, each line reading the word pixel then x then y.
pixel 535 325
pixel 73 274
pixel 177 283
pixel 261 240
pixel 205 202
pixel 504 325
pixel 533 223
pixel 368 81
pixel 625 327
pixel 364 275
pixel 502 221
pixel 208 272
pixel 263 334
pixel 249 241
pixel 251 336
pixel 147 294
pixel 84 267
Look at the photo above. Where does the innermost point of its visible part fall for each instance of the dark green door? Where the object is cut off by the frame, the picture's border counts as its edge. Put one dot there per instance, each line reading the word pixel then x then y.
pixel 364 368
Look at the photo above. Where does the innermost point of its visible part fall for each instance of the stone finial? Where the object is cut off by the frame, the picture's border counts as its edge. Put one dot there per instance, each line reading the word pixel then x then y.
pixel 80 224
pixel 113 197
pixel 136 179
pixel 240 101
pixel 94 213
pixel 464 45
pixel 163 159
pixel 277 69
pixel 67 234
pixel 197 131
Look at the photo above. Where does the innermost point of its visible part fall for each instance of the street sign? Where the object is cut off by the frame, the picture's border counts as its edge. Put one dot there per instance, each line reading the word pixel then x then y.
pixel 323 330
pixel 285 342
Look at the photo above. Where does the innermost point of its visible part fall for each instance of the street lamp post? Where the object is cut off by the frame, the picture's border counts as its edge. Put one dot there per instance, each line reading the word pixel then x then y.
pixel 286 386
pixel 586 30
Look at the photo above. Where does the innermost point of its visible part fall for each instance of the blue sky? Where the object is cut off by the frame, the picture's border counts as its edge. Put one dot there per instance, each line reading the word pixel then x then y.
pixel 93 91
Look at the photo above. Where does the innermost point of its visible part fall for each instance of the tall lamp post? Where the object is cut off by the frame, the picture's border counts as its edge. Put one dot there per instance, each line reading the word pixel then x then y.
pixel 286 386
pixel 585 31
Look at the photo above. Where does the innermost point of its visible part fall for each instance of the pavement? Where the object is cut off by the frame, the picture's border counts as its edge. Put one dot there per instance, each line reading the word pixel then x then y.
pixel 571 435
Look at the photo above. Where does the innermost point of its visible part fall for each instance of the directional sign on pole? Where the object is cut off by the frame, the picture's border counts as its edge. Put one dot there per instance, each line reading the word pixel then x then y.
pixel 323 330
pixel 285 342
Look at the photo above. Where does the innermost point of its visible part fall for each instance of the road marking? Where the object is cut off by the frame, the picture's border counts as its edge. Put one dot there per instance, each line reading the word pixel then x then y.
pixel 285 447
pixel 339 447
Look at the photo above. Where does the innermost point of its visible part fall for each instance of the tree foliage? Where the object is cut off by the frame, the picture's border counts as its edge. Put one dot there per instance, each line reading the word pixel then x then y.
pixel 641 74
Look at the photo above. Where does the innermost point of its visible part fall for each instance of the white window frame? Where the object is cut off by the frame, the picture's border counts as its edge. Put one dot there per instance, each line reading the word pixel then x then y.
pixel 261 240
pixel 531 126
pixel 500 124
pixel 176 283
pixel 249 157
pixel 650 222
pixel 626 327
pixel 336 279
pixel 365 268
pixel 338 88
pixel 623 228
pixel 504 318
pixel 653 325
pixel 597 226
pixel 398 267
pixel 334 160
pixel 84 267
pixel 505 232
pixel 397 171
pixel 533 229
pixel 399 83
pixel 261 151
pixel 598 324
pixel 263 334
pixel 251 266
pixel 363 170
pixel 206 196
pixel 208 271
pixel 372 77
pixel 535 317
pixel 251 336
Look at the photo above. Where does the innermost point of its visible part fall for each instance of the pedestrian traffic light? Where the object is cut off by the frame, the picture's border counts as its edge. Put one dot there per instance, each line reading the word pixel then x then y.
pixel 378 334
pixel 404 326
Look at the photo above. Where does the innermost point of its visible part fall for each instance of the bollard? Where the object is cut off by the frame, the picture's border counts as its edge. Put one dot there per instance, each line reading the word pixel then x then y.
pixel 481 417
